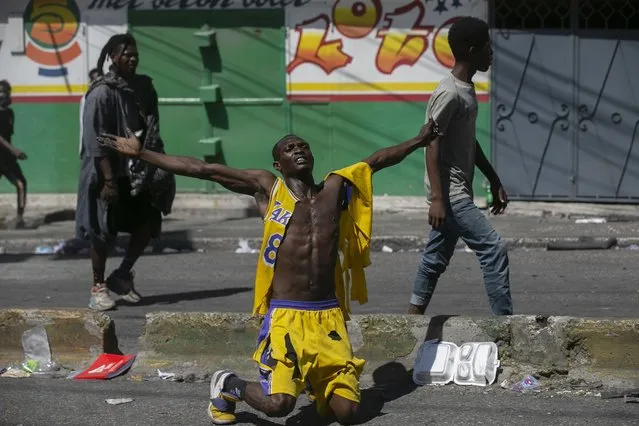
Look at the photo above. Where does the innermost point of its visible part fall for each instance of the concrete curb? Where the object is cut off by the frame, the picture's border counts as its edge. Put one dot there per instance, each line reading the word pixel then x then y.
pixel 395 242
pixel 209 204
pixel 76 336
pixel 602 350
pixel 226 205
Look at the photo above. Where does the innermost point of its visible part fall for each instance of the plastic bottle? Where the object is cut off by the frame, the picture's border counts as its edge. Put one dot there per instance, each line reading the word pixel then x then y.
pixel 44 250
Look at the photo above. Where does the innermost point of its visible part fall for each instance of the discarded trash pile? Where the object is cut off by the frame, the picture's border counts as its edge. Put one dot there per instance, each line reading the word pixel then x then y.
pixel 38 361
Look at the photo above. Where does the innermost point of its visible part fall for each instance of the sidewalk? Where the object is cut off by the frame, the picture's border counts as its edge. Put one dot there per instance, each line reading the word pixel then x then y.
pixel 227 205
pixel 397 231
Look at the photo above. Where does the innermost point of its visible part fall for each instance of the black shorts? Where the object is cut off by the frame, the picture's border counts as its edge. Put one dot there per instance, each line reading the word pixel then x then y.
pixel 12 171
pixel 130 213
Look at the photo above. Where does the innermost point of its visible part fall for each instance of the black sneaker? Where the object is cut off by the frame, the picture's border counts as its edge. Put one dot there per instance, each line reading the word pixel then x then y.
pixel 121 283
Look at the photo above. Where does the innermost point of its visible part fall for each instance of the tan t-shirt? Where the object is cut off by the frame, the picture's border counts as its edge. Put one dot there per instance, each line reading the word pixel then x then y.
pixel 453 108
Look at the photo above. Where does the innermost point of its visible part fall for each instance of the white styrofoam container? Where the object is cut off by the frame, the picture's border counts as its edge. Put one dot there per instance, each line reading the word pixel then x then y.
pixel 439 363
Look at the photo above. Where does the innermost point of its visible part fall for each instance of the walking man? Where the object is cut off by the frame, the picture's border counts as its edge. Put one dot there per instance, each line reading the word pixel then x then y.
pixel 450 162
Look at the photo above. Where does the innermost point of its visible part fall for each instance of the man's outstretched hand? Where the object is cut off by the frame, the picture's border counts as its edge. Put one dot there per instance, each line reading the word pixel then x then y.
pixel 129 146
pixel 427 133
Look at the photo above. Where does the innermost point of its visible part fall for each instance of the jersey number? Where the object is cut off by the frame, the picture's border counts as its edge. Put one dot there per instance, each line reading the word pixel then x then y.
pixel 270 252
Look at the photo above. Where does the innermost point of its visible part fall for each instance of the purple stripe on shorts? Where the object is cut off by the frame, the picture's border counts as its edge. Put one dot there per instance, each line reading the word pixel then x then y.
pixel 304 305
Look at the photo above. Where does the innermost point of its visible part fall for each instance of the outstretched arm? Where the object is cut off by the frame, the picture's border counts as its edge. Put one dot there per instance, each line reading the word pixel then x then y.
pixel 249 182
pixel 245 181
pixel 392 155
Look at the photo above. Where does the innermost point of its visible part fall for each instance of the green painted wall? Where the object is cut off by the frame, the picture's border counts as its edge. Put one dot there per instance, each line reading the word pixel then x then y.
pixel 340 133
pixel 247 62
pixel 49 134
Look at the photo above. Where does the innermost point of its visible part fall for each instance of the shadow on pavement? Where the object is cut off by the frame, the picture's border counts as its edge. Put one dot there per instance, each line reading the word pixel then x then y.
pixel 253 419
pixel 179 240
pixel 171 242
pixel 436 327
pixel 67 215
pixel 171 298
pixel 23 257
pixel 392 381
pixel 15 258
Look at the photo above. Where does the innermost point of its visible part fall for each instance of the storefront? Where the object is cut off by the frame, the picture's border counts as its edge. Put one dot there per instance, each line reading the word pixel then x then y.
pixel 234 76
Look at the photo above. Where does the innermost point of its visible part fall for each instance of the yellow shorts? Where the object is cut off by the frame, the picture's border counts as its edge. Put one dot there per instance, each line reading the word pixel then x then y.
pixel 306 345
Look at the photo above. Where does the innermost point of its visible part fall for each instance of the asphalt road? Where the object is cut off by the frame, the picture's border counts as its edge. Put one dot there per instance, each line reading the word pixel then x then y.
pixel 33 402
pixel 586 283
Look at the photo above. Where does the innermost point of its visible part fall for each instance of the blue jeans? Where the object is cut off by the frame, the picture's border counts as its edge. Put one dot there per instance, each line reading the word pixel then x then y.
pixel 464 220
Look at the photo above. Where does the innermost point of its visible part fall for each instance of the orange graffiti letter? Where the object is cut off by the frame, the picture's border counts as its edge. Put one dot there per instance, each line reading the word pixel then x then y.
pixel 441 48
pixel 402 46
pixel 313 47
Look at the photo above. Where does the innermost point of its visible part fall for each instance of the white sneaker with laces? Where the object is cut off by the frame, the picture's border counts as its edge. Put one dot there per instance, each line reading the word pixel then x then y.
pixel 100 299
pixel 221 409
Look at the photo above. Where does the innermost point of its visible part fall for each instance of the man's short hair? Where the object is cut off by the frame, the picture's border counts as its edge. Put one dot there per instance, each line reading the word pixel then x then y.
pixel 465 33
pixel 4 84
pixel 285 139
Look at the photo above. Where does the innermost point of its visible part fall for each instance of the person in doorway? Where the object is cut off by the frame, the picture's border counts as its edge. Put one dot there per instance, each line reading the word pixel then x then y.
pixel 450 164
pixel 115 194
pixel 9 154
pixel 301 286
pixel 94 74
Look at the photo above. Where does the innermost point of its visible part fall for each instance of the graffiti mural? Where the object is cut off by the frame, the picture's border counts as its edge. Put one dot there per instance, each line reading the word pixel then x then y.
pixel 51 27
pixel 374 50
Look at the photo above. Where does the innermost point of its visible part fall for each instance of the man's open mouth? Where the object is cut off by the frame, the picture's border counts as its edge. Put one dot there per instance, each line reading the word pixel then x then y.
pixel 301 160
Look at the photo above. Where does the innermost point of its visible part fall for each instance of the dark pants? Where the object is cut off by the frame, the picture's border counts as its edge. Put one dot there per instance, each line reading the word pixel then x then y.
pixel 133 215
pixel 130 213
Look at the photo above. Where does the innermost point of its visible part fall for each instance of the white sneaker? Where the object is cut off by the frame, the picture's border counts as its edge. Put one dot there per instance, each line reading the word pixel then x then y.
pixel 100 299
pixel 221 408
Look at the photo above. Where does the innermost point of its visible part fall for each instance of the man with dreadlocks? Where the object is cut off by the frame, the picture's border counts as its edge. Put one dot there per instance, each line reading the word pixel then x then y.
pixel 9 155
pixel 116 194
